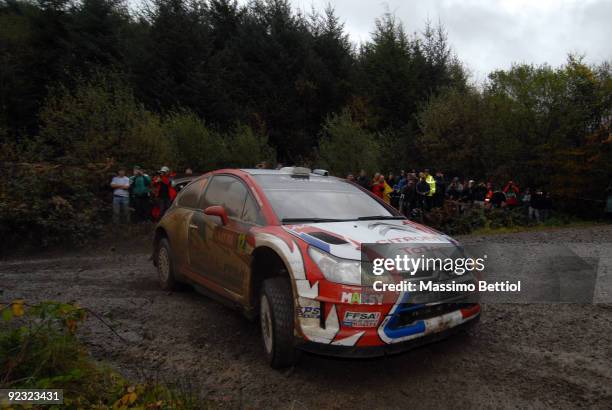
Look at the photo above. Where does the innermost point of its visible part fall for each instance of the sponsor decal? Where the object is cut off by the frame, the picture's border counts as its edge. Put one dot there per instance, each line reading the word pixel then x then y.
pixel 362 298
pixel 308 312
pixel 361 319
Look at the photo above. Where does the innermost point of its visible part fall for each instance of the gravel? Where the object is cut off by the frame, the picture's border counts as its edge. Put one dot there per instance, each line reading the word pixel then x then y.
pixel 519 355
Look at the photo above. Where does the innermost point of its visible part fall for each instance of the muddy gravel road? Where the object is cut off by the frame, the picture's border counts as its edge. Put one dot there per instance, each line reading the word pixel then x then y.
pixel 536 355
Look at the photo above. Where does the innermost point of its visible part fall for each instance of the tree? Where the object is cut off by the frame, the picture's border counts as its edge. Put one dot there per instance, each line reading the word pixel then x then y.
pixel 346 147
pixel 543 127
pixel 173 72
pixel 49 42
pixel 452 133
pixel 388 75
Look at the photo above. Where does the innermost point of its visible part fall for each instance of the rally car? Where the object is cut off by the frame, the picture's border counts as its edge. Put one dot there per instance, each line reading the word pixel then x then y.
pixel 285 246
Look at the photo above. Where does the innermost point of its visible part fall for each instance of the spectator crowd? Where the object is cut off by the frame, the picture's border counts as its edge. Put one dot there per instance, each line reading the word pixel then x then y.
pixel 413 193
pixel 149 197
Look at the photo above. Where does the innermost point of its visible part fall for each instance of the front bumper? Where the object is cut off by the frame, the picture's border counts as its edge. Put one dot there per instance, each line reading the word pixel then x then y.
pixel 385 349
pixel 364 330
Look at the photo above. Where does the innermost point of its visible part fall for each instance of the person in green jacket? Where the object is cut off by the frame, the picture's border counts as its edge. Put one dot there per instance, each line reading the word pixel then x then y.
pixel 140 189
pixel 432 189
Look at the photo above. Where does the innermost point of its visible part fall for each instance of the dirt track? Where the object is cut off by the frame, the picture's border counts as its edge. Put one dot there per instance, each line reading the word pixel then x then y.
pixel 518 356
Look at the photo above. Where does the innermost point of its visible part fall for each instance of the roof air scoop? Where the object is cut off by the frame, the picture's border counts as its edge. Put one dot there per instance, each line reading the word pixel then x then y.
pixel 297 172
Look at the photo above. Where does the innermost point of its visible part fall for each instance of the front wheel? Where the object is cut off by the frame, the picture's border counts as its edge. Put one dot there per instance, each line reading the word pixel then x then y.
pixel 276 317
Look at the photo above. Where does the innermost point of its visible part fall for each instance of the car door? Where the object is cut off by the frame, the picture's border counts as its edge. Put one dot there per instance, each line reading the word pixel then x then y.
pixel 196 244
pixel 236 269
pixel 220 253
pixel 177 221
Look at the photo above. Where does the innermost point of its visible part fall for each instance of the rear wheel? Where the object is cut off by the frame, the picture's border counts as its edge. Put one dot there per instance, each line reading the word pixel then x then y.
pixel 165 267
pixel 276 317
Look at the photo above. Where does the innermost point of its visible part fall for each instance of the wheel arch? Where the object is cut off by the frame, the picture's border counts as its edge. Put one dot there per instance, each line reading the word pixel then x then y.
pixel 266 262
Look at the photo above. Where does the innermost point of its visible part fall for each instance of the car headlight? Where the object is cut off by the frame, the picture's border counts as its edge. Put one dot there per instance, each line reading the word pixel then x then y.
pixel 336 269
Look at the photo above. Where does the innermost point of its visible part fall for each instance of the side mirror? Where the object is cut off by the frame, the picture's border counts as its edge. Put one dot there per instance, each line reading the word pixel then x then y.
pixel 217 210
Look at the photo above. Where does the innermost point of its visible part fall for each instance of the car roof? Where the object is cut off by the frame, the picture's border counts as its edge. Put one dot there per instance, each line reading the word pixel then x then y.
pixel 260 171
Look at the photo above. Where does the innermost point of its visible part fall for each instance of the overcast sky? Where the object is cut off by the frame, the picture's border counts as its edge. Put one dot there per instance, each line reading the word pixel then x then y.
pixel 491 34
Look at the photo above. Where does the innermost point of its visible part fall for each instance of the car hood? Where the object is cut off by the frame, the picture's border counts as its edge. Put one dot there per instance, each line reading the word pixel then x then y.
pixel 344 239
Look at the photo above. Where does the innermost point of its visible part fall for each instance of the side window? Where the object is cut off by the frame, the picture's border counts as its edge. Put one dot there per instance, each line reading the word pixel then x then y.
pixel 190 194
pixel 228 192
pixel 251 212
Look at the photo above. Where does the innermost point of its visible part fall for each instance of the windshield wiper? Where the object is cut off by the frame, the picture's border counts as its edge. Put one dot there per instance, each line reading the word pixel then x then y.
pixel 298 220
pixel 374 217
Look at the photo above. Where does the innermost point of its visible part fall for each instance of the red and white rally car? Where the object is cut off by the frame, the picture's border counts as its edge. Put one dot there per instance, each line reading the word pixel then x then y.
pixel 286 246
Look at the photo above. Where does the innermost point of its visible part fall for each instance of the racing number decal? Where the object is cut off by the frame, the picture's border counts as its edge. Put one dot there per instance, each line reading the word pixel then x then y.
pixel 242 242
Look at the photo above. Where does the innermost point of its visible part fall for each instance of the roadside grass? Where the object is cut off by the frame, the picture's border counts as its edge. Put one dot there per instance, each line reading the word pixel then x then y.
pixel 40 350
pixel 548 225
pixel 453 219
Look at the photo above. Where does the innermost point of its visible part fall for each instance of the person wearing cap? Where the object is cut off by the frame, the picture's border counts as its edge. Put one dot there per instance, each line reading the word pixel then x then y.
pixel 140 189
pixel 164 190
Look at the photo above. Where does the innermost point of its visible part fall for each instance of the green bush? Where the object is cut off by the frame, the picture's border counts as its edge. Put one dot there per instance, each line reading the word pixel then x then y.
pixel 196 146
pixel 506 218
pixel 345 147
pixel 246 148
pixel 39 350
pixel 99 120
pixel 449 219
pixel 146 144
pixel 203 148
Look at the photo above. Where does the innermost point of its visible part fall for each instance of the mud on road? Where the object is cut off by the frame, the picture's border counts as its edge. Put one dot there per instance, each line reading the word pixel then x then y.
pixel 535 355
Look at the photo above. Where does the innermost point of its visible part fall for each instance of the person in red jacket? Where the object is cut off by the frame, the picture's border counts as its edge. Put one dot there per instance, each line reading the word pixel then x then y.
pixel 164 191
pixel 512 192
pixel 378 185
pixel 489 195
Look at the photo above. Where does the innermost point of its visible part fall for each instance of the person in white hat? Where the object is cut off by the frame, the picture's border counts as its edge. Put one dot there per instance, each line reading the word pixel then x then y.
pixel 164 190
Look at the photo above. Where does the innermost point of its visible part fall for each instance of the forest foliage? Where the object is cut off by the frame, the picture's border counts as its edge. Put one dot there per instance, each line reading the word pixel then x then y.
pixel 213 83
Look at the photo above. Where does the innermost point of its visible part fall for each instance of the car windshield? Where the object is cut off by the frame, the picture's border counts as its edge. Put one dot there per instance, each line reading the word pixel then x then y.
pixel 318 199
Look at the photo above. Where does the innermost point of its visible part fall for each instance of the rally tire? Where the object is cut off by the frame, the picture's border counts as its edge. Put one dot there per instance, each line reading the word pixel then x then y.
pixel 277 322
pixel 165 266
